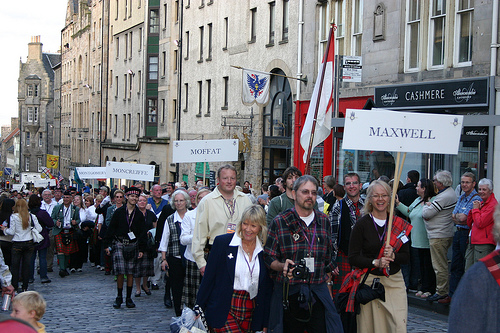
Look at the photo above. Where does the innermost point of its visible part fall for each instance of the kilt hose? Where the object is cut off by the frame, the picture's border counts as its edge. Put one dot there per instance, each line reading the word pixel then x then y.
pixel 66 249
pixel 344 269
pixel 239 318
pixel 192 281
pixel 122 266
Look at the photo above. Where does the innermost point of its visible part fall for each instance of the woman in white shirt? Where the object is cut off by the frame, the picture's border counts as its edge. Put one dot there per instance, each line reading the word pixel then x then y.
pixel 192 279
pixel 21 223
pixel 77 259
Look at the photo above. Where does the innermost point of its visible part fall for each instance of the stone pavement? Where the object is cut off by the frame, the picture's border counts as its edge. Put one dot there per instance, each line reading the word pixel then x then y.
pixel 82 302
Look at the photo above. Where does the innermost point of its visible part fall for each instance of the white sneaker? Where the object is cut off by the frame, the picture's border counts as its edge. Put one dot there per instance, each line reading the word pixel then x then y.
pixel 98 266
pixel 72 270
pixel 79 270
pixel 92 264
pixel 102 268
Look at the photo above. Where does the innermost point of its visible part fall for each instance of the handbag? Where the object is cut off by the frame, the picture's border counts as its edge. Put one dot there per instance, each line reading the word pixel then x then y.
pixel 66 238
pixel 364 295
pixel 128 251
pixel 37 236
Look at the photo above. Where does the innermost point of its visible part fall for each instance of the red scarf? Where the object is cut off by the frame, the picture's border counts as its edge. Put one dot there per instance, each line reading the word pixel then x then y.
pixel 492 262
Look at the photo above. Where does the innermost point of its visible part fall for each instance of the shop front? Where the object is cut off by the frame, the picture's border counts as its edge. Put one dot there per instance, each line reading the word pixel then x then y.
pixel 473 98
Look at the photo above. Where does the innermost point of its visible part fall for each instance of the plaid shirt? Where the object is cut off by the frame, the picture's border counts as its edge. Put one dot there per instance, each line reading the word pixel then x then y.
pixel 286 240
pixel 465 203
pixel 336 215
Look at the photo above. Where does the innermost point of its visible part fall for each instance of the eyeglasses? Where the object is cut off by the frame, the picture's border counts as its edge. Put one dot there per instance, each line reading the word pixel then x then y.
pixel 379 196
pixel 118 196
pixel 351 183
pixel 307 192
pixel 465 182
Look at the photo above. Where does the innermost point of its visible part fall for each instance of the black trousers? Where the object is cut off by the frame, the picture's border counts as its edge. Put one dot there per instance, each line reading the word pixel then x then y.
pixel 176 274
pixel 316 323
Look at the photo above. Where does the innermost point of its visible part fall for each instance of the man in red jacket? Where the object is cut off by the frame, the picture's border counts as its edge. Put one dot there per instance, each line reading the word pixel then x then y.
pixel 480 220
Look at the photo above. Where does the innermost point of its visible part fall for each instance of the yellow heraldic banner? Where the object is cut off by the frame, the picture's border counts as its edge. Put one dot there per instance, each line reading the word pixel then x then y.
pixel 52 161
pixel 385 130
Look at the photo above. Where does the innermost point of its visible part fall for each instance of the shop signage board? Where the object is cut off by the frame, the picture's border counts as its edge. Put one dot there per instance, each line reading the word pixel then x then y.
pixel 352 67
pixel 385 130
pixel 91 173
pixel 461 93
pixel 190 151
pixel 122 170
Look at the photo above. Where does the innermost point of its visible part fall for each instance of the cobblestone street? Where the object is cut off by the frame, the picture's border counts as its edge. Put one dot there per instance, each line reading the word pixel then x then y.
pixel 83 302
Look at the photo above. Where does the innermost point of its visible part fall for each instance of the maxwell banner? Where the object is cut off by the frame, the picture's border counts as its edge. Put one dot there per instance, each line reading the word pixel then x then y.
pixel 190 151
pixel 92 173
pixel 384 130
pixel 122 170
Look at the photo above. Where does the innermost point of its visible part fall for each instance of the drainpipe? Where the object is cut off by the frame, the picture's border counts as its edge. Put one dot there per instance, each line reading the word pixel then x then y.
pixel 299 47
pixel 494 39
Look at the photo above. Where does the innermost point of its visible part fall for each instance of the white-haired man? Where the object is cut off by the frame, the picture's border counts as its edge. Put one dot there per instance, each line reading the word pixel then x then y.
pixel 439 224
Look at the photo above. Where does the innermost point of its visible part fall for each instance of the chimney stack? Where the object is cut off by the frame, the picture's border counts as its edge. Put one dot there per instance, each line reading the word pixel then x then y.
pixel 35 49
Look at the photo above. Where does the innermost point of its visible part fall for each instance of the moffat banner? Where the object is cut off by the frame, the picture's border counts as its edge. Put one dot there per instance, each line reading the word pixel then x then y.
pixel 384 130
pixel 190 151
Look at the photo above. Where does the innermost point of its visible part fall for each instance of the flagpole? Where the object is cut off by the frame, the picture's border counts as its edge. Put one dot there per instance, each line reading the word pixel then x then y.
pixel 323 70
pixel 275 74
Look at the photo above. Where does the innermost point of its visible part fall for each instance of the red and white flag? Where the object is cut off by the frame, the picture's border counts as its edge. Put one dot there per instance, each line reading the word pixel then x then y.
pixel 325 109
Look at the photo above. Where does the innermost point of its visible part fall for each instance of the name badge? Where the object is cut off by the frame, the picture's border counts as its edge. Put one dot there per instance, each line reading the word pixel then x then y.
pixel 253 289
pixel 231 227
pixel 310 264
pixel 131 235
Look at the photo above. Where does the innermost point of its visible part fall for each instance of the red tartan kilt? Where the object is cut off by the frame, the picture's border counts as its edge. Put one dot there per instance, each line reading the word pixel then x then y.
pixel 65 249
pixel 240 314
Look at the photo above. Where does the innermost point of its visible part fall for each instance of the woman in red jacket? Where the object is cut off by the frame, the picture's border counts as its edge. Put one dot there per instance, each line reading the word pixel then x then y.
pixel 480 220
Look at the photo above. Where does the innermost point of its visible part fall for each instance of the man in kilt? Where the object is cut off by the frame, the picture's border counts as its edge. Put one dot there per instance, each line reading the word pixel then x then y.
pixel 126 239
pixel 343 216
pixel 66 218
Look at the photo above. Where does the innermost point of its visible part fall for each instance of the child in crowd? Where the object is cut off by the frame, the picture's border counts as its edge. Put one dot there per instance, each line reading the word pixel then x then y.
pixel 30 307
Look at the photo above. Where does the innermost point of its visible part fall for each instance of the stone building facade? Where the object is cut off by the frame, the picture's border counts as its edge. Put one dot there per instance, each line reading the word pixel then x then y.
pixel 36 106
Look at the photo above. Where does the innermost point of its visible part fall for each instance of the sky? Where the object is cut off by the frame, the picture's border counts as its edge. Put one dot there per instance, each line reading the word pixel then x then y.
pixel 19 21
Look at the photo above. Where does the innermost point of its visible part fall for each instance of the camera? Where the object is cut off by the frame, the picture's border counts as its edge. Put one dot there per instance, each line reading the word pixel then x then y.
pixel 301 271
pixel 376 283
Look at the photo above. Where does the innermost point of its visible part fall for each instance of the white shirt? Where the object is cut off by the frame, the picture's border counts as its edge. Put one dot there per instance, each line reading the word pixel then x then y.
pixel 246 271
pixel 48 207
pixel 187 229
pixel 16 228
pixel 88 214
pixel 166 234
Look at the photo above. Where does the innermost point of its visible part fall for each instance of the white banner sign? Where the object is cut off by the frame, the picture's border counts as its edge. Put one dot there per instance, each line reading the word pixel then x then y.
pixel 92 173
pixel 44 182
pixel 190 151
pixel 384 130
pixel 131 171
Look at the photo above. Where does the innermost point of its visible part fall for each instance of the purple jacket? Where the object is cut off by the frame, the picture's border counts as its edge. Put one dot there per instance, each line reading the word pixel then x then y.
pixel 47 223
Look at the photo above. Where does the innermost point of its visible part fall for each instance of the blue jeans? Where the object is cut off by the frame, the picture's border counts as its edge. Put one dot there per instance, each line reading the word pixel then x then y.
pixel 21 252
pixel 460 240
pixel 42 262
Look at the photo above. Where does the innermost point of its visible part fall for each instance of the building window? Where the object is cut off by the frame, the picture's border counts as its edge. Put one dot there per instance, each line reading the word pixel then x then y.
pixel 200 97
pixel 272 7
pixel 30 114
pixel 186 43
pixel 463 32
pixel 27 163
pixel 201 44
pixel 130 85
pixel 209 42
pixel 174 108
pixel 253 25
pixel 126 46
pixel 28 137
pixel 152 110
pixel 412 34
pixel 324 28
pixel 226 32
pixel 125 86
pixel 124 126
pixel 116 5
pixel 116 86
pixel 209 96
pixel 129 125
pixel 140 39
pixel 437 38
pixel 39 164
pixel 138 124
pixel 186 96
pixel 139 82
pixel 130 45
pixel 117 46
pixel 339 20
pixel 284 36
pixel 126 10
pixel 176 8
pixel 164 61
pixel 29 92
pixel 163 109
pixel 226 92
pixel 165 19
pixel 154 21
pixel 153 68
pixel 40 139
pixel 116 124
pixel 35 114
pixel 35 92
pixel 176 53
pixel 357 27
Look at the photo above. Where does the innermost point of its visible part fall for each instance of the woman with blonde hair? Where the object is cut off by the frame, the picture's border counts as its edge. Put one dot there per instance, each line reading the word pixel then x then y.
pixel 235 291
pixel 21 223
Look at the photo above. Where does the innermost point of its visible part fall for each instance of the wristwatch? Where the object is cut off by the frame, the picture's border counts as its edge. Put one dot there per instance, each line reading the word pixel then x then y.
pixel 373 262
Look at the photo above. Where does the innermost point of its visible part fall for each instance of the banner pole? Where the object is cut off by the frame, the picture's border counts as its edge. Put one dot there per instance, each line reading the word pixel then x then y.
pixel 395 183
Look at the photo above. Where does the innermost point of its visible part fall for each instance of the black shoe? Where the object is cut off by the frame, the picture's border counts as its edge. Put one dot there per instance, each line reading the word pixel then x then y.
pixel 155 287
pixel 107 273
pixel 118 302
pixel 436 297
pixel 50 270
pixel 168 303
pixel 62 273
pixel 147 291
pixel 47 280
pixel 129 303
pixel 31 281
